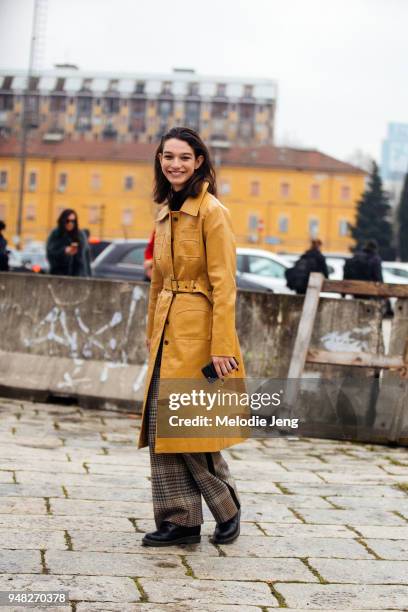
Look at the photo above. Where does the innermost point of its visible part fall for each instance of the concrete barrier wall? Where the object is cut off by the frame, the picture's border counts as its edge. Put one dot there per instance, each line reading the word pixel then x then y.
pixel 84 338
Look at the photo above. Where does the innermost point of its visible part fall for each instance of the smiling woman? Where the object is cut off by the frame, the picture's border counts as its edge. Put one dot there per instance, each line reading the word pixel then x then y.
pixel 191 321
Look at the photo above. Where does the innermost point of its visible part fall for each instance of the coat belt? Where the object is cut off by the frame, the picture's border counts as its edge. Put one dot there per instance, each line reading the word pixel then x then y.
pixel 187 286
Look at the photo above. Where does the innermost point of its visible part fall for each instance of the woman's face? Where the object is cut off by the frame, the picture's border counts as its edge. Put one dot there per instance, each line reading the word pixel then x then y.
pixel 178 162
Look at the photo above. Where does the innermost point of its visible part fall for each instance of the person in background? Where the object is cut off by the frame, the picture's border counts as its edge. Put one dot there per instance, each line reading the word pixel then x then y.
pixel 67 247
pixel 312 260
pixel 4 266
pixel 148 258
pixel 315 254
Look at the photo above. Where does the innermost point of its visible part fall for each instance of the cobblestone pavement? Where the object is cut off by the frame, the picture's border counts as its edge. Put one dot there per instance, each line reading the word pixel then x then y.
pixel 325 524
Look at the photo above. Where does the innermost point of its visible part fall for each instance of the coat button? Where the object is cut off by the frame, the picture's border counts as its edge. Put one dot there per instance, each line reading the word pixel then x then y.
pixel 166 342
pixel 175 218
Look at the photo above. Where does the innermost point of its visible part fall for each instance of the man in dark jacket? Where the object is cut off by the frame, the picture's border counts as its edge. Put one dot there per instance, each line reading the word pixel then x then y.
pixel 67 247
pixel 312 260
pixel 319 260
pixel 4 266
pixel 365 264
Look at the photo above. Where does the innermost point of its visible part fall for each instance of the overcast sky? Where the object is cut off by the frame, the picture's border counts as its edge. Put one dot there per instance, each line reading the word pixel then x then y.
pixel 341 65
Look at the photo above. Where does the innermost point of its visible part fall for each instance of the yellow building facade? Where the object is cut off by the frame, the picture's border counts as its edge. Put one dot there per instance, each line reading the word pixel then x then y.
pixel 276 208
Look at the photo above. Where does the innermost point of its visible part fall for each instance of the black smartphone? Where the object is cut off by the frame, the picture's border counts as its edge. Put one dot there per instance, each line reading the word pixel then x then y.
pixel 210 372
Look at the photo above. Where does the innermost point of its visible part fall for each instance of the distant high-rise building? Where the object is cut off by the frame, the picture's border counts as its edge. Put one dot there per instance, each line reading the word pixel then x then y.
pixel 66 103
pixel 394 159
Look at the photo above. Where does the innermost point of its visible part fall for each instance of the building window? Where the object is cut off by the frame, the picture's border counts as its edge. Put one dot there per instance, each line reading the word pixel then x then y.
pixel 2 212
pixel 111 105
pixel 248 91
pixel 285 190
pixel 3 179
pixel 62 181
pixel 127 217
pixel 193 89
pixel 221 90
pixel 140 87
pixel 32 181
pixel 315 191
pixel 225 187
pixel 283 224
pixel 96 182
pixel 30 212
pixel 345 192
pixel 313 228
pixel 129 183
pixel 166 88
pixel 93 215
pixel 255 189
pixel 343 227
pixel 253 222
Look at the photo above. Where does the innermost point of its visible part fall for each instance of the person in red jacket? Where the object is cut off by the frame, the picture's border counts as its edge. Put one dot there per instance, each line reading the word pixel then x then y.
pixel 148 257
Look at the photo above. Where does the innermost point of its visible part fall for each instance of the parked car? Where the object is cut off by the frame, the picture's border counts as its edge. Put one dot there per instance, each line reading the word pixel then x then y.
pixel 395 272
pixel 28 261
pixel 263 268
pixel 121 259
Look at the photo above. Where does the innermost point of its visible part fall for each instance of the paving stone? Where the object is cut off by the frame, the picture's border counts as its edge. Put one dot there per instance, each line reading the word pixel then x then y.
pixel 267 512
pixel 362 571
pixel 362 477
pixel 247 546
pixel 390 532
pixel 109 493
pixel 85 480
pixel 293 501
pixel 383 503
pixel 34 490
pixel 367 516
pixel 197 593
pixel 103 523
pixel 116 564
pixel 347 597
pixel 107 508
pixel 257 486
pixel 52 467
pixel 358 490
pixel 222 568
pixel 300 477
pixel 32 539
pixel 389 549
pixel 81 588
pixel 20 561
pixel 22 505
pixel 6 476
pixel 302 530
pixel 123 542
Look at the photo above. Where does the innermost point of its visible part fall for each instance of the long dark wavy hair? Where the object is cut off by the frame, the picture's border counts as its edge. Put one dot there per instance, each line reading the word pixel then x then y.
pixel 162 188
pixel 63 228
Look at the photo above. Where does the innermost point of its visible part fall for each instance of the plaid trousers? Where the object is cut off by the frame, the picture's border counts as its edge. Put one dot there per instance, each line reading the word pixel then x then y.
pixel 180 479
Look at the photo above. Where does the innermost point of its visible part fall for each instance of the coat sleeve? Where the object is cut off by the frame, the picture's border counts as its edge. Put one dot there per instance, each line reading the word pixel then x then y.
pixel 156 284
pixel 55 249
pixel 221 268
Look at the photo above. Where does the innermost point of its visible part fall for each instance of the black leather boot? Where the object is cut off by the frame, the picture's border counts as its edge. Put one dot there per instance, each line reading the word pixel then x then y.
pixel 170 534
pixel 227 532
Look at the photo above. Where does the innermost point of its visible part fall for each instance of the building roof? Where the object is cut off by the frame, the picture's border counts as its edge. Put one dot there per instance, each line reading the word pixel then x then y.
pixel 256 157
pixel 100 83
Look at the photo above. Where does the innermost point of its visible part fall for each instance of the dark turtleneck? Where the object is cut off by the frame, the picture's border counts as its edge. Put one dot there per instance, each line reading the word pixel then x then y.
pixel 177 199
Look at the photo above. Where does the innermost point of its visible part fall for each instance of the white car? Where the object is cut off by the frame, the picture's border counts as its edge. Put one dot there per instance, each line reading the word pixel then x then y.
pixel 262 267
pixel 395 272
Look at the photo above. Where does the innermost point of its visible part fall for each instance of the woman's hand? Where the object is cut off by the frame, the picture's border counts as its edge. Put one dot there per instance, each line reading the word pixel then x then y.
pixel 224 365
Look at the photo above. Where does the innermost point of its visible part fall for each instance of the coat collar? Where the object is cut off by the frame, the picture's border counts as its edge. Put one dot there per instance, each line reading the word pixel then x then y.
pixel 191 206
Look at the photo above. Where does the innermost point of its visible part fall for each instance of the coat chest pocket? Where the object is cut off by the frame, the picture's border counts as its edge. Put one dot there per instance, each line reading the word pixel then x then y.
pixel 188 243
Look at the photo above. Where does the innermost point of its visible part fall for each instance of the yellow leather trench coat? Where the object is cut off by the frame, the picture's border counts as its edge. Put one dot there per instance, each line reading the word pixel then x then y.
pixel 192 302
